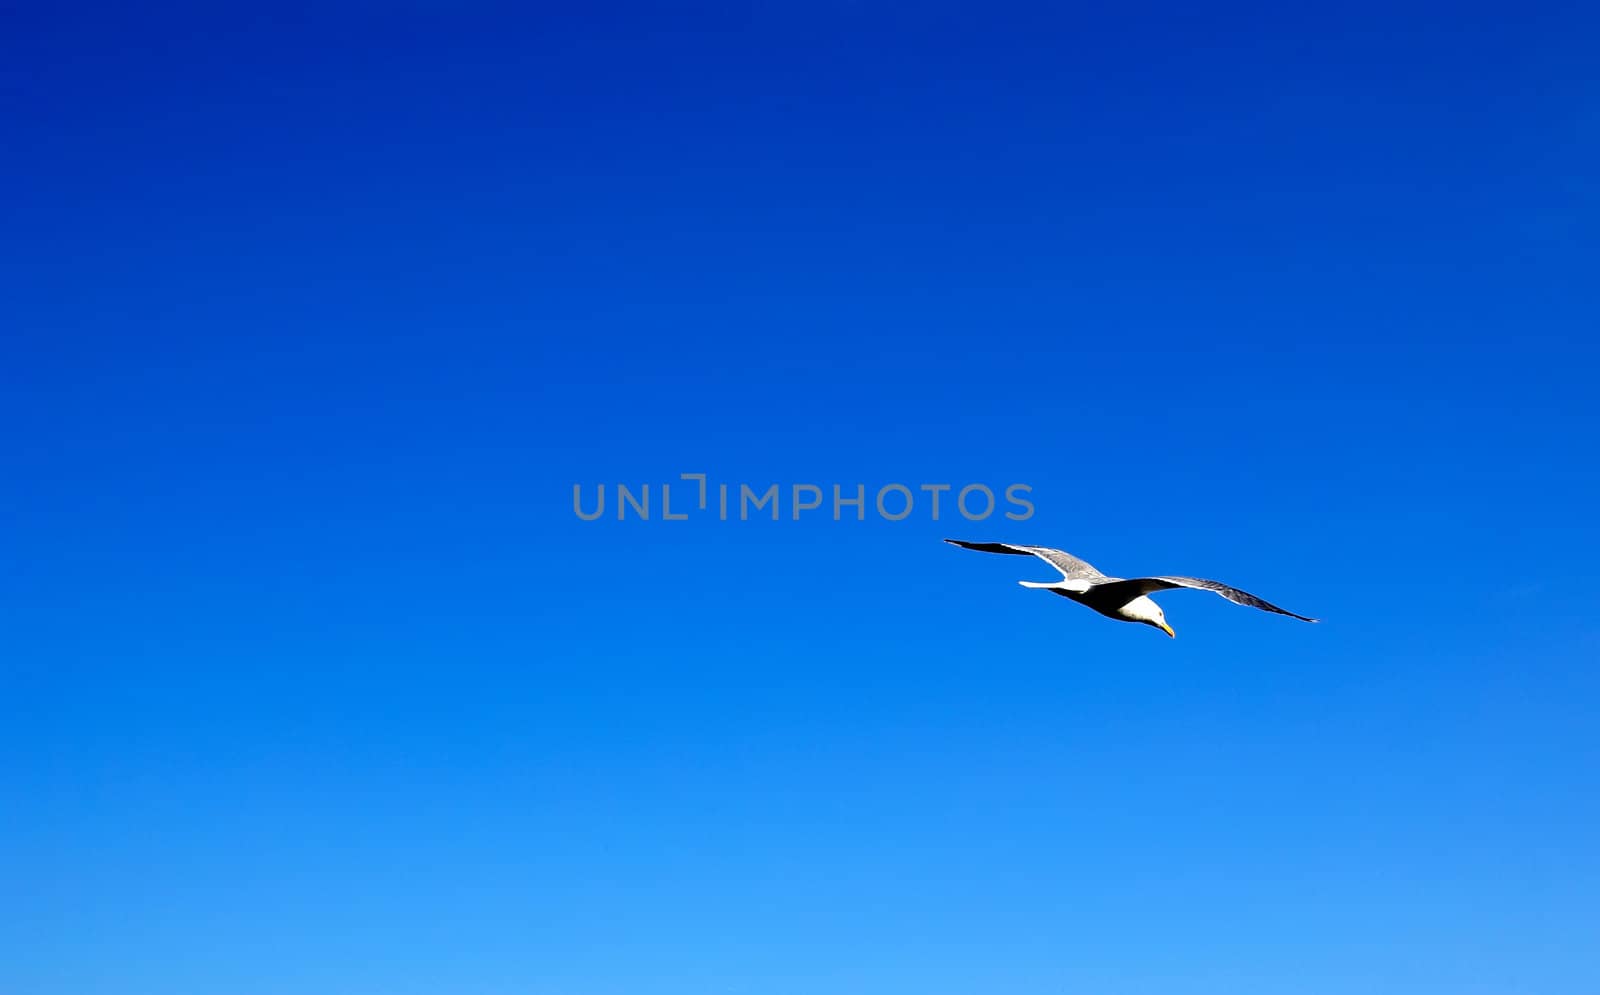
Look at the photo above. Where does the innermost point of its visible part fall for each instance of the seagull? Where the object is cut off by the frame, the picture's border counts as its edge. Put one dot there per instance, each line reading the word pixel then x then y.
pixel 1124 599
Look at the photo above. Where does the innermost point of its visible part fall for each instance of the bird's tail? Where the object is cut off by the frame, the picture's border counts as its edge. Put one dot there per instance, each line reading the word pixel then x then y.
pixel 1046 584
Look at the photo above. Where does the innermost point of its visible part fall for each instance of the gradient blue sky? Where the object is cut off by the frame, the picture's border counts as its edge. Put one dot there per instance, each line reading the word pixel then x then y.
pixel 312 682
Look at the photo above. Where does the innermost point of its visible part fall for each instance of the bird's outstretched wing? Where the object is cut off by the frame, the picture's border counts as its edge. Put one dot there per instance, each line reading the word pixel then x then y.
pixel 1145 585
pixel 1070 566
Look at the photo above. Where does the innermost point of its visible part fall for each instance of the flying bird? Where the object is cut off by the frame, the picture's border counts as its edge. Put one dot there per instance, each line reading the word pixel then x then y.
pixel 1125 599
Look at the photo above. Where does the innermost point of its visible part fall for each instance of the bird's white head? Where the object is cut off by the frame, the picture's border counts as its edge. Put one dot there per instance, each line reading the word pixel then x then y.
pixel 1142 609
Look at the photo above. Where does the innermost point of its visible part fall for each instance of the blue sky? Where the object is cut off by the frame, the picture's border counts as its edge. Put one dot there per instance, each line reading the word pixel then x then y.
pixel 314 682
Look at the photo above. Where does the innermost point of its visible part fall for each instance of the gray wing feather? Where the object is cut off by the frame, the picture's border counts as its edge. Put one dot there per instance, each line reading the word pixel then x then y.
pixel 1147 585
pixel 1070 566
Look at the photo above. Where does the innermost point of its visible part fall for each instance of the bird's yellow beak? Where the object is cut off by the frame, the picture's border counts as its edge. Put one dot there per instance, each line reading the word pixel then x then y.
pixel 1167 629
